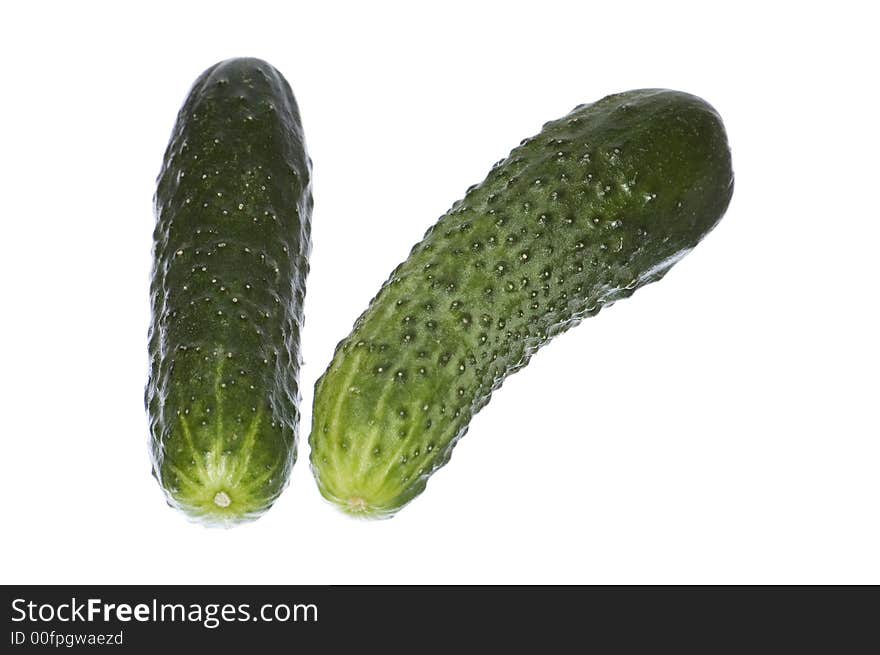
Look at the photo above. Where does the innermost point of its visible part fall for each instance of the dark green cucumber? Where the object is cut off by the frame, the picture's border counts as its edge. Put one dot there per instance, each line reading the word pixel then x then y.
pixel 598 204
pixel 231 245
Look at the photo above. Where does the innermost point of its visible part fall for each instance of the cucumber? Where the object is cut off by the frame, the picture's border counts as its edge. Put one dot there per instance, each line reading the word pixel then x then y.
pixel 231 244
pixel 600 203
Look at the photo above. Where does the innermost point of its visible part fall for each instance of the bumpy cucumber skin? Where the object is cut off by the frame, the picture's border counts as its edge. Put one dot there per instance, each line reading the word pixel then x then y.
pixel 231 245
pixel 600 203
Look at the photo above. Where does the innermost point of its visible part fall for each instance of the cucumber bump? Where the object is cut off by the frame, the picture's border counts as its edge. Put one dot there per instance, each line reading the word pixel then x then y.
pixel 598 204
pixel 231 243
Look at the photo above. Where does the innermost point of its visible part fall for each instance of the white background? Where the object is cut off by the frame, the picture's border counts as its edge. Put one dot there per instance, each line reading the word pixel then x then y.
pixel 719 427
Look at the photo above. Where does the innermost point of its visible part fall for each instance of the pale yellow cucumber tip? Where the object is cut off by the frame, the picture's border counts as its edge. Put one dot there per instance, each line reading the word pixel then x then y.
pixel 357 504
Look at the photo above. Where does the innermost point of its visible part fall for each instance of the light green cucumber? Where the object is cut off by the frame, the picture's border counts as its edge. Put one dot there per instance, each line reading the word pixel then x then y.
pixel 598 204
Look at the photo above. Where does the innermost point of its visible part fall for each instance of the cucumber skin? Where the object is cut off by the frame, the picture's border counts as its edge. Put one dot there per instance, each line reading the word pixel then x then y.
pixel 231 244
pixel 601 202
